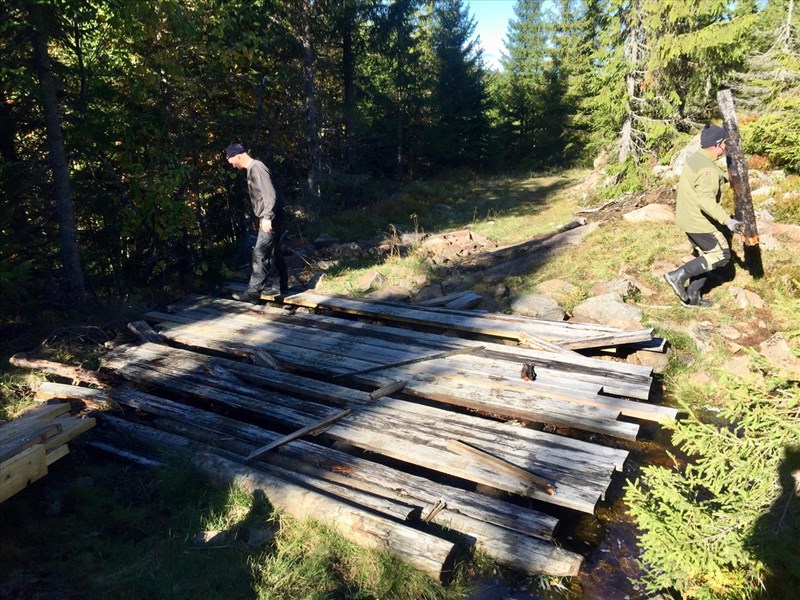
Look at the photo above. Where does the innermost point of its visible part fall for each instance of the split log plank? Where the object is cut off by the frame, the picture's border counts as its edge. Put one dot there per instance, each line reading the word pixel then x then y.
pixel 742 197
pixel 507 546
pixel 204 308
pixel 388 390
pixel 345 469
pixel 411 361
pixel 144 333
pixel 497 462
pixel 576 367
pixel 184 362
pixel 543 409
pixel 20 470
pixel 738 170
pixel 469 322
pixel 575 494
pixel 424 551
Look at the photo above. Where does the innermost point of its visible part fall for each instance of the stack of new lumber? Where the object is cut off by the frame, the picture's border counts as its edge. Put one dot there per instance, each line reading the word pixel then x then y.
pixel 32 442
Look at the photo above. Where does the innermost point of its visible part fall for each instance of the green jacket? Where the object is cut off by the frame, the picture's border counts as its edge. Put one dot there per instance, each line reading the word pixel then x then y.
pixel 699 194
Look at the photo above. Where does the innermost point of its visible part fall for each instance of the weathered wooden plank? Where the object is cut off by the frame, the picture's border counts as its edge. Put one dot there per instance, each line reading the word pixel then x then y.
pixel 442 300
pixel 20 470
pixel 498 463
pixel 330 358
pixel 467 300
pixel 411 361
pixel 520 330
pixel 502 544
pixel 343 468
pixel 35 416
pixel 296 413
pixel 301 357
pixel 387 390
pixel 738 170
pixel 631 380
pixel 418 452
pixel 144 333
pixel 543 409
pixel 424 551
pixel 313 427
pixel 216 309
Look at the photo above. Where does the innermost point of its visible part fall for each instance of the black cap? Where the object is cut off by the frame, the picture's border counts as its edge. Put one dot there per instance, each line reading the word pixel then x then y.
pixel 234 149
pixel 712 135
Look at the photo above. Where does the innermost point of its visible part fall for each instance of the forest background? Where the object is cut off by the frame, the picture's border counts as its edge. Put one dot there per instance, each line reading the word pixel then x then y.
pixel 114 117
pixel 120 111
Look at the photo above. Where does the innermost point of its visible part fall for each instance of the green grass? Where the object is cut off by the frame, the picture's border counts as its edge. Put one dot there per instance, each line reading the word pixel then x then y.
pixel 95 529
pixel 102 530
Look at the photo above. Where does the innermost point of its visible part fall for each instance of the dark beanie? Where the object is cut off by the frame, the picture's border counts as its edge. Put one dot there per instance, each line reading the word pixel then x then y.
pixel 712 135
pixel 234 149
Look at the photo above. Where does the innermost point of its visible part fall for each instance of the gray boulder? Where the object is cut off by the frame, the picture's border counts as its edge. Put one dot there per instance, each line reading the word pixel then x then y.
pixel 539 306
pixel 608 309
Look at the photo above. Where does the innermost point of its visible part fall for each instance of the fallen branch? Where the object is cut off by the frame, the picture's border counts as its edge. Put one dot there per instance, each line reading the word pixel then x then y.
pixel 66 371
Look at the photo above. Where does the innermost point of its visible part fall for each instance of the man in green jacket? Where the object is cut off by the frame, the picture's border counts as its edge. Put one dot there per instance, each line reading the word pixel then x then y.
pixel 701 217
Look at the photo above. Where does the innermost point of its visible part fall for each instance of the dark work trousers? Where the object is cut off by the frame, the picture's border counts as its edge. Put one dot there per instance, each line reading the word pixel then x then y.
pixel 713 253
pixel 267 260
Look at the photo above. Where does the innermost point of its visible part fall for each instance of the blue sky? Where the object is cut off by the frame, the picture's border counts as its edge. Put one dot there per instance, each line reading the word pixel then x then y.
pixel 491 17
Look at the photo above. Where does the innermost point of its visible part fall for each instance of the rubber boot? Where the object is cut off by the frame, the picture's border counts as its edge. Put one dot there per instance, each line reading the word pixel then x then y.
pixel 677 281
pixel 678 278
pixel 695 301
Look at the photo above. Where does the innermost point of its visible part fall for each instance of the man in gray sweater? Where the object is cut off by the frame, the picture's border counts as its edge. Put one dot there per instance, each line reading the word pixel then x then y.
pixel 701 217
pixel 267 206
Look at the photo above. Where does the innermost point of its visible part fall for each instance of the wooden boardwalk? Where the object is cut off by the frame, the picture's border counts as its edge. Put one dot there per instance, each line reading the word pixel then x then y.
pixel 402 455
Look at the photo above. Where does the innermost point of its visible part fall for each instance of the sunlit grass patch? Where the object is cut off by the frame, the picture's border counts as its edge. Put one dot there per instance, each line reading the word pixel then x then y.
pixel 311 561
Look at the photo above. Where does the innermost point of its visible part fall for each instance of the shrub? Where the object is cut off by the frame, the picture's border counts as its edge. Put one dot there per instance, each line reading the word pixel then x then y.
pixel 776 135
pixel 719 528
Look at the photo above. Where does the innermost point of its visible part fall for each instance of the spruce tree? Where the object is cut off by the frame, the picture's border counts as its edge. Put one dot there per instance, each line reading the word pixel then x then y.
pixel 526 83
pixel 458 131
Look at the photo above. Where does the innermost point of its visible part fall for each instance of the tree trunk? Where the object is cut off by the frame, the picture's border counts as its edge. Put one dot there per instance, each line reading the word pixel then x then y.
pixel 70 256
pixel 312 113
pixel 348 75
pixel 626 143
pixel 737 171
